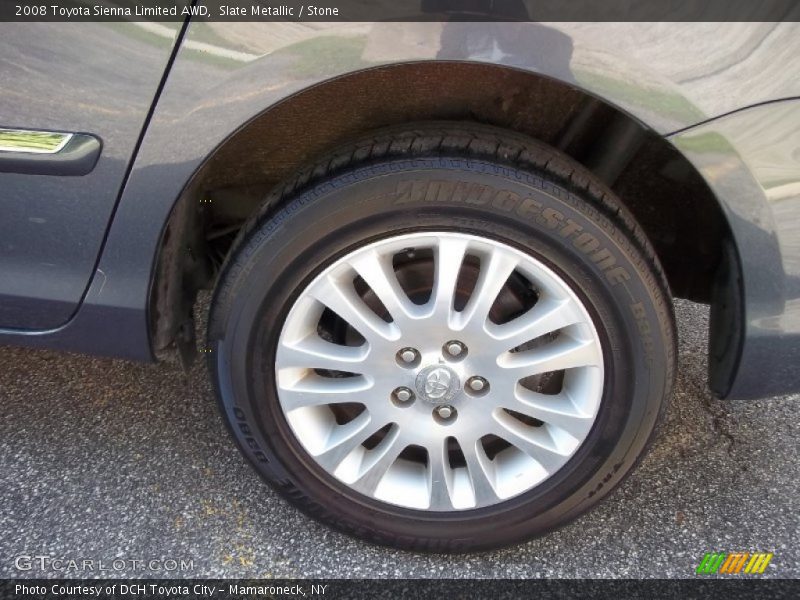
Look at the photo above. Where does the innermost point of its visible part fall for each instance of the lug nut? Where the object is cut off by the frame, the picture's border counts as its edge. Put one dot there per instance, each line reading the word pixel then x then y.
pixel 408 356
pixel 455 348
pixel 403 394
pixel 477 384
pixel 445 412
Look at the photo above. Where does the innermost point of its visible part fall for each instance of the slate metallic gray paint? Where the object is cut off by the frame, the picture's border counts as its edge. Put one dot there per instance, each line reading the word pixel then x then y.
pixel 669 76
pixel 73 77
pixel 751 160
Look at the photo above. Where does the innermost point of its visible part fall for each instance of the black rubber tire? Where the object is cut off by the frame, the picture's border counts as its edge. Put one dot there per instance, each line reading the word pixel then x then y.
pixel 533 198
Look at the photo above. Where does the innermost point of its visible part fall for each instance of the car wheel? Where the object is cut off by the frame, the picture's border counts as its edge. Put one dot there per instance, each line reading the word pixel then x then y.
pixel 443 338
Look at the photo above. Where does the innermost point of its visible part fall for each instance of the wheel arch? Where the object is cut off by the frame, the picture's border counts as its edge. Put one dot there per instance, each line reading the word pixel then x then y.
pixel 665 192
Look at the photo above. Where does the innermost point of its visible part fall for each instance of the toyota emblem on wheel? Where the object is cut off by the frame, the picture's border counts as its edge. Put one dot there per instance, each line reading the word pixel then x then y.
pixel 437 383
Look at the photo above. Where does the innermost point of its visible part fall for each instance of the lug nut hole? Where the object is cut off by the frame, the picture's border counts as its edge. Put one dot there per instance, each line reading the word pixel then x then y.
pixel 403 397
pixel 476 386
pixel 454 350
pixel 444 414
pixel 408 358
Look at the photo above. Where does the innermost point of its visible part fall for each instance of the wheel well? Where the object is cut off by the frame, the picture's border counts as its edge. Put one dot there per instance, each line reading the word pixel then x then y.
pixel 659 186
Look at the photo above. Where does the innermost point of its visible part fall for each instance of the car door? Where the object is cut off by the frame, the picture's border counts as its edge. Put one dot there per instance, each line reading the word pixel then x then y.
pixel 94 83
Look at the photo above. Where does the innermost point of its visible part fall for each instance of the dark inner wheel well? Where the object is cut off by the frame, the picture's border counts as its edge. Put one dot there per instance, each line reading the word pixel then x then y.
pixel 658 185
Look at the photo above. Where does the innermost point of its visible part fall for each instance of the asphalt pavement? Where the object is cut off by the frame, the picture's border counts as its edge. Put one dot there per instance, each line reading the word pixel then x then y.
pixel 116 462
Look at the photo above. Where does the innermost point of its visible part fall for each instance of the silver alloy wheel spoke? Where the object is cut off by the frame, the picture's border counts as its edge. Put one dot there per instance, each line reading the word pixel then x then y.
pixel 535 443
pixel 345 302
pixel 318 391
pixel 344 439
pixel 440 477
pixel 508 437
pixel 378 462
pixel 382 280
pixel 449 256
pixel 481 473
pixel 564 353
pixel 492 278
pixel 316 353
pixel 556 410
pixel 545 317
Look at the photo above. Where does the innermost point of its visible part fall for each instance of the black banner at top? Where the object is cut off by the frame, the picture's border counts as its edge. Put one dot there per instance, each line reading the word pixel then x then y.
pixel 400 10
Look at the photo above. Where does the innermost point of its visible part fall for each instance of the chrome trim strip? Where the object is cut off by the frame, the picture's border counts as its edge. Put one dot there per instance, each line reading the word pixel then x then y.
pixel 33 142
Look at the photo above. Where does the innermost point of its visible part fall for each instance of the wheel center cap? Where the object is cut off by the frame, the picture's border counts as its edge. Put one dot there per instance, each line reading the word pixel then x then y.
pixel 437 384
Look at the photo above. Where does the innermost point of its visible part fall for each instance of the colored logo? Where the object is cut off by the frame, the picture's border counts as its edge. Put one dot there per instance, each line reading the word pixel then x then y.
pixel 734 563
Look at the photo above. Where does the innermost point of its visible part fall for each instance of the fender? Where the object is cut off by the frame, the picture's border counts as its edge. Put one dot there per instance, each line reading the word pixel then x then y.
pixel 751 160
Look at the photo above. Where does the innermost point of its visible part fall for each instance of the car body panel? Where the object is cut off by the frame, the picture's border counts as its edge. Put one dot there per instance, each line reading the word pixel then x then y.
pixel 668 76
pixel 77 77
pixel 752 160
